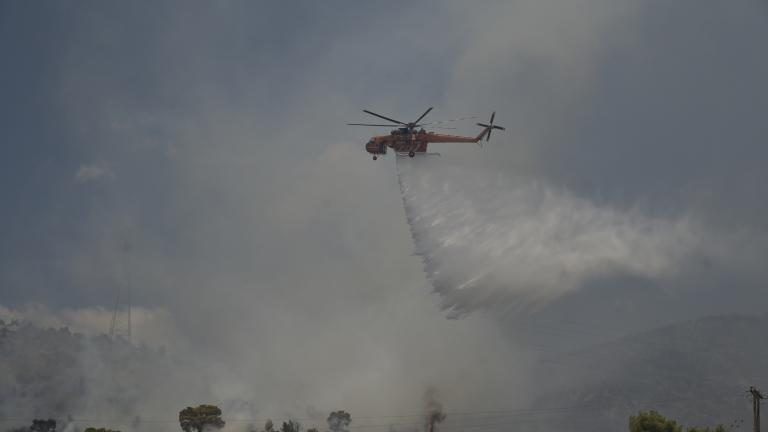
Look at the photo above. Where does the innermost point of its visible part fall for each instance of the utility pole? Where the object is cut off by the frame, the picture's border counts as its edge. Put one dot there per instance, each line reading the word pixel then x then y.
pixel 756 398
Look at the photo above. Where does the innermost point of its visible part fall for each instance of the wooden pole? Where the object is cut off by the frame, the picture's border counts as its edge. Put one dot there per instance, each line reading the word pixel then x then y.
pixel 756 398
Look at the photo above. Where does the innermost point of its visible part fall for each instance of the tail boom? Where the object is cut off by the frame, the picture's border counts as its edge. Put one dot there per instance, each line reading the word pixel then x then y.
pixel 486 132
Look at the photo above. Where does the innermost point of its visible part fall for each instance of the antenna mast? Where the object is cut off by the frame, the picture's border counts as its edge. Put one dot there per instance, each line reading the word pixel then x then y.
pixel 121 315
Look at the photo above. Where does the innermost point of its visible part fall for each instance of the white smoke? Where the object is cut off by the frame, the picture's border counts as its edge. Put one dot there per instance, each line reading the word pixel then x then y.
pixel 489 241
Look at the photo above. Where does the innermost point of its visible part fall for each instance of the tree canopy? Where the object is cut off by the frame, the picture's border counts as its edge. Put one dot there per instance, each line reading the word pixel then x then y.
pixel 43 425
pixel 338 421
pixel 269 426
pixel 200 418
pixel 291 426
pixel 718 428
pixel 652 421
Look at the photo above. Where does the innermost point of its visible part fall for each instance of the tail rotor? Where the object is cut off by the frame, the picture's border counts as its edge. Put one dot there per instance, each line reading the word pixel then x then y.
pixel 490 127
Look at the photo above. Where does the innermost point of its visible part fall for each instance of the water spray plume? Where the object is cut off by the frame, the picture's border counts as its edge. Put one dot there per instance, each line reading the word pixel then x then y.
pixel 489 242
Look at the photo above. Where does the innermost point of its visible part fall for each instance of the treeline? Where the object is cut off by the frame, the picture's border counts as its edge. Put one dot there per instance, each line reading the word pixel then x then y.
pixel 209 418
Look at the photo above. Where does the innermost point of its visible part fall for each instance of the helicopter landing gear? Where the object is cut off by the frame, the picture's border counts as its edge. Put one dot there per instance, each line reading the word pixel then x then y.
pixel 375 157
pixel 411 154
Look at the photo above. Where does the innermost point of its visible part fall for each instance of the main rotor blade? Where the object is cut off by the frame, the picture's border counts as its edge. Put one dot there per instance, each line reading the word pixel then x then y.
pixel 447 121
pixel 366 124
pixel 423 115
pixel 385 118
pixel 395 126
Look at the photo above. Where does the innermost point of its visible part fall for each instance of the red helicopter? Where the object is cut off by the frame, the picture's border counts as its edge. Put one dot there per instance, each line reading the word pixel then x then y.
pixel 406 140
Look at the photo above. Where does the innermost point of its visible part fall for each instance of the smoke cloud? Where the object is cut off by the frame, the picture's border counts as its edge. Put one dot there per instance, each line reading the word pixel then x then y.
pixel 434 409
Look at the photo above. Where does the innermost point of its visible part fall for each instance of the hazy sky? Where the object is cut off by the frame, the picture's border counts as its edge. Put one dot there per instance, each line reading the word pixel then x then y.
pixel 211 136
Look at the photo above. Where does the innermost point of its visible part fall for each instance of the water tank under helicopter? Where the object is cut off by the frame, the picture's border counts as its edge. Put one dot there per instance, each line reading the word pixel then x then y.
pixel 376 148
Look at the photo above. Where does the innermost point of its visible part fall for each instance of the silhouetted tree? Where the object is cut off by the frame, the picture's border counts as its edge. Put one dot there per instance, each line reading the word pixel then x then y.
pixel 43 425
pixel 718 428
pixel 291 426
pixel 338 421
pixel 269 426
pixel 652 421
pixel 200 418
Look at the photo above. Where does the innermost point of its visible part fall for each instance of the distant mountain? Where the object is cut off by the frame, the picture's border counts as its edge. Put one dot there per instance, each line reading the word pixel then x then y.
pixel 696 372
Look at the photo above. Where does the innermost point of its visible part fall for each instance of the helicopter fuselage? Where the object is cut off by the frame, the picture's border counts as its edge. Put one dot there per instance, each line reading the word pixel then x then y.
pixel 400 141
pixel 405 141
